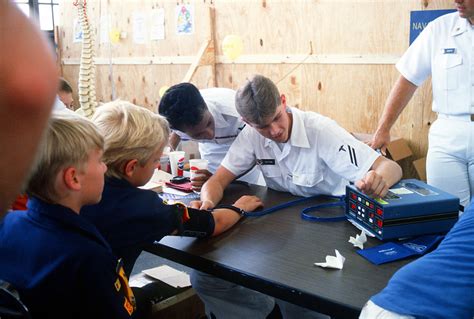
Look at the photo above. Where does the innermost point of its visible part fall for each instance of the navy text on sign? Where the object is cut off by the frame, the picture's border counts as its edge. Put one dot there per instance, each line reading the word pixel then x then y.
pixel 420 19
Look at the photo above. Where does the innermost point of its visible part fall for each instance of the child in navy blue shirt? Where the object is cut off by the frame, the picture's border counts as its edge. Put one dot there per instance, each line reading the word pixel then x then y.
pixel 131 218
pixel 58 261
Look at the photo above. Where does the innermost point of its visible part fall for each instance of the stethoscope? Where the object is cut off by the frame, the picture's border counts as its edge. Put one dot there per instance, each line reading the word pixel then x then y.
pixel 341 202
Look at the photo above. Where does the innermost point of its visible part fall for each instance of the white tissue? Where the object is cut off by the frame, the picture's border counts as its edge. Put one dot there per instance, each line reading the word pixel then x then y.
pixel 333 262
pixel 359 240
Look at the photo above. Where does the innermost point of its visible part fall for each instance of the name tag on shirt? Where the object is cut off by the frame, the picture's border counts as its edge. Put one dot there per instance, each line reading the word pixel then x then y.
pixel 265 162
pixel 449 51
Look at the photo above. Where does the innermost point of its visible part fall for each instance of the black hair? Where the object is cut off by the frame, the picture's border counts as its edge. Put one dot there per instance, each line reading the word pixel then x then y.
pixel 183 106
pixel 64 86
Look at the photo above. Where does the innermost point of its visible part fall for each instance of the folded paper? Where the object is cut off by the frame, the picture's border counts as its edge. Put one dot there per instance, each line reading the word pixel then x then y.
pixel 359 240
pixel 336 262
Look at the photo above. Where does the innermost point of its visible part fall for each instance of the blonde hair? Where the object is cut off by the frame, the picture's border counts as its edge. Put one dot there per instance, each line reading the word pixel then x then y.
pixel 130 132
pixel 68 141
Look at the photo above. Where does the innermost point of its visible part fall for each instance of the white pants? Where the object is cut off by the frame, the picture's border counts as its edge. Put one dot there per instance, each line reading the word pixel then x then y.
pixel 227 300
pixel 450 160
pixel 372 311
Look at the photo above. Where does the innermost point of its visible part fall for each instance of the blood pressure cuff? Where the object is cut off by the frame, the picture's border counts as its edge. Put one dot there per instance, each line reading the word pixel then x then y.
pixel 193 222
pixel 393 251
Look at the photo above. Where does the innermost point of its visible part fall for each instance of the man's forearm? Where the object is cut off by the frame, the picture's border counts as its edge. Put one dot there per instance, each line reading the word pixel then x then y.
pixel 390 171
pixel 397 100
pixel 212 191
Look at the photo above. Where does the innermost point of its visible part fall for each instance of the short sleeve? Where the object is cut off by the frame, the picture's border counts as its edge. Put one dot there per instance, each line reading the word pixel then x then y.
pixel 415 64
pixel 343 153
pixel 241 155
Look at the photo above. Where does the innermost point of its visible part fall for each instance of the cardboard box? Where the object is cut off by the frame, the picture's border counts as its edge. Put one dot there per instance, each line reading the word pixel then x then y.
pixel 420 168
pixel 397 149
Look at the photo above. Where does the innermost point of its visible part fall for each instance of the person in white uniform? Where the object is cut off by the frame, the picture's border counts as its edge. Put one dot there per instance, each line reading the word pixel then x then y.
pixel 209 117
pixel 299 152
pixel 444 50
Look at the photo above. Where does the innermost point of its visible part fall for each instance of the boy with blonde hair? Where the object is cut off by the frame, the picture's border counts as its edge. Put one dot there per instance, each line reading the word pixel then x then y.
pixel 57 260
pixel 131 218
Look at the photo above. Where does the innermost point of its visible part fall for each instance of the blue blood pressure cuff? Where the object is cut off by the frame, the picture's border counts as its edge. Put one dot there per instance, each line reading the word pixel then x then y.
pixel 393 251
pixel 192 222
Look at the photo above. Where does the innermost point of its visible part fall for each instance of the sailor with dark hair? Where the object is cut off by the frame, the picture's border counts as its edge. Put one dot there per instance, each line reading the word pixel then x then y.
pixel 209 117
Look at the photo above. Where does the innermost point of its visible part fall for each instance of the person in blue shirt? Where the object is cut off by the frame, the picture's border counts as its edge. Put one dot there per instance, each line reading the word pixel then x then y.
pixel 60 264
pixel 131 218
pixel 438 285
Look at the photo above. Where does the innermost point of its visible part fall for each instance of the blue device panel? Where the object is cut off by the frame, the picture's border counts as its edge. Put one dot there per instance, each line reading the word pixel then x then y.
pixel 411 208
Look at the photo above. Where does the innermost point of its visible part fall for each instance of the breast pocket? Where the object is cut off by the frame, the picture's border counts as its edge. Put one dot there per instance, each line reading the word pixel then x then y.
pixel 271 171
pixel 307 179
pixel 446 71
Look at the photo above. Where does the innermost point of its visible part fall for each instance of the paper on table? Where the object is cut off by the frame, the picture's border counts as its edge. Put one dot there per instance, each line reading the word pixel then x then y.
pixel 157 180
pixel 359 240
pixel 359 227
pixel 139 281
pixel 169 275
pixel 333 262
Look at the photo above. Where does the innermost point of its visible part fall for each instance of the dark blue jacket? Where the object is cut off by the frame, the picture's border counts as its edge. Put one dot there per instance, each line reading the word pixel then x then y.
pixel 131 218
pixel 60 264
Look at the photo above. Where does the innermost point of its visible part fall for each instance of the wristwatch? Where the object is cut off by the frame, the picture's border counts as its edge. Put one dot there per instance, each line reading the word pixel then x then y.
pixel 239 211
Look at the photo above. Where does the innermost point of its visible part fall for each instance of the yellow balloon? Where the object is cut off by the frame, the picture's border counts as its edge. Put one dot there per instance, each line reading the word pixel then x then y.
pixel 114 36
pixel 163 90
pixel 232 46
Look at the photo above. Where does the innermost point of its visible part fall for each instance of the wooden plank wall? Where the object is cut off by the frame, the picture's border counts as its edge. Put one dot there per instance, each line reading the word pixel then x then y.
pixel 348 76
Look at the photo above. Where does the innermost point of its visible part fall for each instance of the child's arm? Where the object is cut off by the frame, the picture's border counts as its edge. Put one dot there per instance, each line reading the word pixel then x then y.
pixel 204 223
pixel 225 218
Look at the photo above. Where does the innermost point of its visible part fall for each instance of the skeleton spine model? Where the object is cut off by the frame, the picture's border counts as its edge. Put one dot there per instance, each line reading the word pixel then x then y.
pixel 87 98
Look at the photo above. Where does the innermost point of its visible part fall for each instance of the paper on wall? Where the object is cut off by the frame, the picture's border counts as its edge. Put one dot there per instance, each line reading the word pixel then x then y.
pixel 139 28
pixel 157 31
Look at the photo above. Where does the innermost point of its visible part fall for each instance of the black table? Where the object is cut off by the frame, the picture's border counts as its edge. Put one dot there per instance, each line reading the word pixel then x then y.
pixel 275 253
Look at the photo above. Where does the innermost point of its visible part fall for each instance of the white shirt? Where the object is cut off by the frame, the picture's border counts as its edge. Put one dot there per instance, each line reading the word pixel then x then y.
pixel 445 50
pixel 319 158
pixel 228 124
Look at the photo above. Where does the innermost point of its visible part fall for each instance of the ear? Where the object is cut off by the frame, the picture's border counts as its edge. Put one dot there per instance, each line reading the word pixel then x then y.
pixel 130 167
pixel 71 178
pixel 283 100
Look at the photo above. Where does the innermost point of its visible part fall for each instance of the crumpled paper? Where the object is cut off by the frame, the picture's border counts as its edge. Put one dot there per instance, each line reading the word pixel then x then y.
pixel 336 262
pixel 359 240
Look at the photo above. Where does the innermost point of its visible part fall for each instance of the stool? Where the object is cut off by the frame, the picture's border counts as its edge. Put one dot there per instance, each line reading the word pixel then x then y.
pixel 167 301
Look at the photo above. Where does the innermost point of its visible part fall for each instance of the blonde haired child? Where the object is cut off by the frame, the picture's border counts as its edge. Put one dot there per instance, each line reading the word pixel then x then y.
pixel 56 259
pixel 131 218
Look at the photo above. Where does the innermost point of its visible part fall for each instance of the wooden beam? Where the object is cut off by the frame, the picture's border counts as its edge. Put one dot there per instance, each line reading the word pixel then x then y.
pixel 206 54
pixel 251 59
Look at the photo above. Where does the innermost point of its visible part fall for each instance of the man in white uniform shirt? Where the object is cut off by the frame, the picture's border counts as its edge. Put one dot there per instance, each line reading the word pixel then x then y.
pixel 299 152
pixel 209 117
pixel 444 50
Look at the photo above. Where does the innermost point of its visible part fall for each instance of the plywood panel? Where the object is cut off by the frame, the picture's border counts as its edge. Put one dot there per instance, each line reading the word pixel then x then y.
pixel 353 93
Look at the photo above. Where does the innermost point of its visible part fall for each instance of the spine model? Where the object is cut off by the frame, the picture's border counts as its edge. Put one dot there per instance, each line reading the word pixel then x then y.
pixel 87 98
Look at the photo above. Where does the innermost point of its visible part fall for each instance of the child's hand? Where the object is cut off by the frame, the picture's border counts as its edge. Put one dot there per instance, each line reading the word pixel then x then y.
pixel 248 203
pixel 204 205
pixel 373 185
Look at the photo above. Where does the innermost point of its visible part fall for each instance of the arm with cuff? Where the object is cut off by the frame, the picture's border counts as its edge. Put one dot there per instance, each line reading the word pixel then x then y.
pixel 205 223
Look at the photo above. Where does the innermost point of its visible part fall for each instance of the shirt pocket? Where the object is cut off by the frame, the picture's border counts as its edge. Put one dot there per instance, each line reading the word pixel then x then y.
pixel 446 71
pixel 307 179
pixel 270 171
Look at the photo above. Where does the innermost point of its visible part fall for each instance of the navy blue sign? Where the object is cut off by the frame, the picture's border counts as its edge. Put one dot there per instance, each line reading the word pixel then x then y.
pixel 420 19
